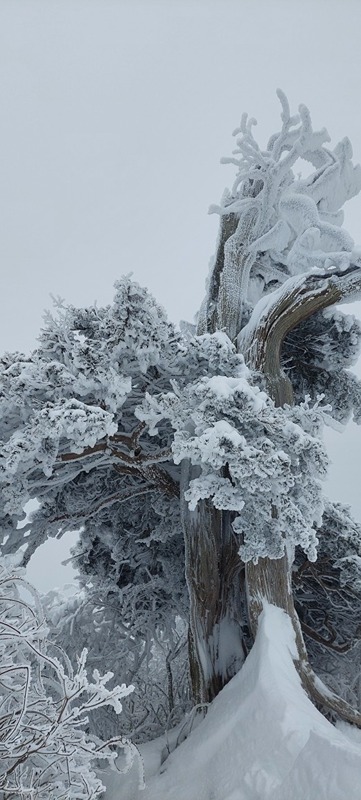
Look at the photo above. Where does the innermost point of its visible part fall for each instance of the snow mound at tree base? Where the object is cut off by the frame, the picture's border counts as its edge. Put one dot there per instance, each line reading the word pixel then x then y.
pixel 262 738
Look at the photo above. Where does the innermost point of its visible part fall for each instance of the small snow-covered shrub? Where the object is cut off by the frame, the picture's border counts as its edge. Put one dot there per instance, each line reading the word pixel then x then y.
pixel 157 667
pixel 44 705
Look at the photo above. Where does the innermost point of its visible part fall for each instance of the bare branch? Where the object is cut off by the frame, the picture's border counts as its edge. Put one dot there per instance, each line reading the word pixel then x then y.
pixel 105 503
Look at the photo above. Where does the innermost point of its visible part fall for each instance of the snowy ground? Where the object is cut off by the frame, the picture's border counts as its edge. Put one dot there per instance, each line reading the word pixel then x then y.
pixel 262 739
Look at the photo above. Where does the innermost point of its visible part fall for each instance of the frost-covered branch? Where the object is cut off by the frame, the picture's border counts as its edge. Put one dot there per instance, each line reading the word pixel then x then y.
pixel 246 449
pixel 44 749
pixel 275 223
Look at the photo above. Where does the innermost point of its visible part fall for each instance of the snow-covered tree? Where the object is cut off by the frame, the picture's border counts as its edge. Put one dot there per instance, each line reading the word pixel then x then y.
pixel 156 665
pixel 45 705
pixel 192 462
pixel 70 439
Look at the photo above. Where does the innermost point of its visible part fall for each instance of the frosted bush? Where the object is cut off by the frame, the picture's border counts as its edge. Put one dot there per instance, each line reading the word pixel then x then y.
pixel 45 704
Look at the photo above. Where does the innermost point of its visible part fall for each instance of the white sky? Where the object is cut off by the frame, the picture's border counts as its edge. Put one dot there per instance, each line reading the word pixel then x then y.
pixel 114 116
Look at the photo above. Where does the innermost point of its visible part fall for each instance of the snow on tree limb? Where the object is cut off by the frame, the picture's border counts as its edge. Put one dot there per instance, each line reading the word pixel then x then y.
pixel 277 314
pixel 295 222
pixel 44 750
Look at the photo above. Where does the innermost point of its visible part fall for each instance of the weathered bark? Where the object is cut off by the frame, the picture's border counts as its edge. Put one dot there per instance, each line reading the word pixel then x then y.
pixel 270 580
pixel 227 292
pixel 213 573
pixel 208 316
pixel 261 340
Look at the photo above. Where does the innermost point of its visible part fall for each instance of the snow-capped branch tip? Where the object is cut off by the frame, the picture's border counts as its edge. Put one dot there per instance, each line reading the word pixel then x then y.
pixel 285 113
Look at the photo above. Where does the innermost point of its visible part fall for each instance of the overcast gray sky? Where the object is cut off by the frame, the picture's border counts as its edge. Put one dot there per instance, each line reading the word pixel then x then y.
pixel 114 116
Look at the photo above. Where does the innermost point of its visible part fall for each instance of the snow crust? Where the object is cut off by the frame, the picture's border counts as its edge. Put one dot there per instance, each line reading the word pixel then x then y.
pixel 262 739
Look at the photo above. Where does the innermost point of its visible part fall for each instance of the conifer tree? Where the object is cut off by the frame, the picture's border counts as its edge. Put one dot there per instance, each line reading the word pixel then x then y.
pixel 192 462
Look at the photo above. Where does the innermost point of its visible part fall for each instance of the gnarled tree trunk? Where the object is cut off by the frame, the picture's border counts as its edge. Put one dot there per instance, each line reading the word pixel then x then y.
pixel 214 571
pixel 261 341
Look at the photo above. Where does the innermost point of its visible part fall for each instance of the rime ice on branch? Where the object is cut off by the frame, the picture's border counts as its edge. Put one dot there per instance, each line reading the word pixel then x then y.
pixel 275 223
pixel 45 705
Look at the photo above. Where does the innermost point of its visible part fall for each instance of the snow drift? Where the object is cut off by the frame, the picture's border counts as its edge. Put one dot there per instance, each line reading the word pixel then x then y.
pixel 262 739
